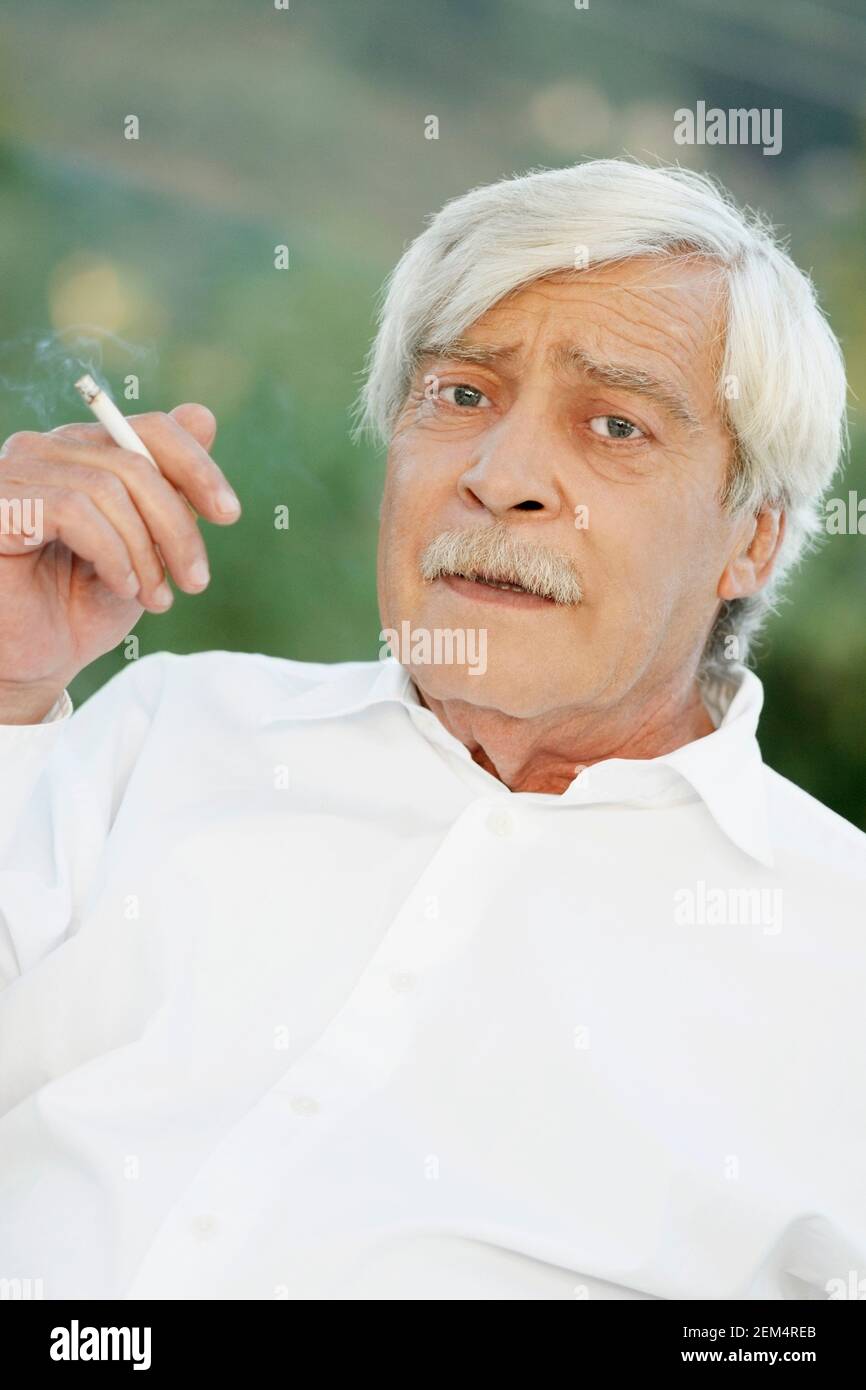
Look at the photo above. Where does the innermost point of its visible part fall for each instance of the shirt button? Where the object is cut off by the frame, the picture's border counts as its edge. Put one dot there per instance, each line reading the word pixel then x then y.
pixel 204 1225
pixel 500 823
pixel 401 984
pixel 304 1105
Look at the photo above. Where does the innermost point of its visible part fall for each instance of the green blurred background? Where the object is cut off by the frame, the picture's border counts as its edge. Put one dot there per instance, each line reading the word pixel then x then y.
pixel 305 127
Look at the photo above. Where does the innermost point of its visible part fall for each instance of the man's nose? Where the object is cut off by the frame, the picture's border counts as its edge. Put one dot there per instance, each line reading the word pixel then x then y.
pixel 511 467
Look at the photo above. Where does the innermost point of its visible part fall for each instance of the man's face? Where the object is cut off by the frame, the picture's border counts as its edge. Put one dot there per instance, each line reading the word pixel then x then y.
pixel 581 414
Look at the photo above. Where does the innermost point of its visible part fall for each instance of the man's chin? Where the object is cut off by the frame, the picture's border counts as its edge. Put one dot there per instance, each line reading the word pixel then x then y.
pixel 500 660
pixel 518 693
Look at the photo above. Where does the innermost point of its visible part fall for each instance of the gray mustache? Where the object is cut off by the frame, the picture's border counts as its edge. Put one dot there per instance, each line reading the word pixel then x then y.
pixel 492 552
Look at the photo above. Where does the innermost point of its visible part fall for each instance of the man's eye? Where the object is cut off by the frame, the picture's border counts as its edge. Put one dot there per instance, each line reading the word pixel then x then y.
pixel 615 427
pixel 463 396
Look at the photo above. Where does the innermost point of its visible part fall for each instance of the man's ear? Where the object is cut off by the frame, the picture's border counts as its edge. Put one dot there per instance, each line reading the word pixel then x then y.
pixel 752 563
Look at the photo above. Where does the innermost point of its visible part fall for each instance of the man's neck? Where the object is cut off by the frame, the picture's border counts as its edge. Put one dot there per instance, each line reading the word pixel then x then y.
pixel 545 754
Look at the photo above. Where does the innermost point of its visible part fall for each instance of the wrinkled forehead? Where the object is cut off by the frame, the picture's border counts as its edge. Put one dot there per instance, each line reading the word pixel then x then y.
pixel 659 315
pixel 653 292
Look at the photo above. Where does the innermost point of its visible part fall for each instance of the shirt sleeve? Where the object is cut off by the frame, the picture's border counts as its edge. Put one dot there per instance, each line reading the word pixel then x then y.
pixel 61 784
pixel 24 752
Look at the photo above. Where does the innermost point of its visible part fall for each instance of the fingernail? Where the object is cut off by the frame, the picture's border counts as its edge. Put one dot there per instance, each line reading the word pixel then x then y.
pixel 131 584
pixel 162 597
pixel 227 502
pixel 199 574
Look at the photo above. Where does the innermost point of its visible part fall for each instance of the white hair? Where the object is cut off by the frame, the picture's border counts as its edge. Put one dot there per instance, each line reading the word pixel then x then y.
pixel 782 381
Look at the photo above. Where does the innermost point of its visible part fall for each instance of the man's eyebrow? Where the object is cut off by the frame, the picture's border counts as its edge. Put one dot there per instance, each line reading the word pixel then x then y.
pixel 473 354
pixel 619 376
pixel 624 377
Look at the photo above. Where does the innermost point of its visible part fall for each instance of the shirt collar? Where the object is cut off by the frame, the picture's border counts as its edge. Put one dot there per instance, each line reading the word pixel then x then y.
pixel 345 688
pixel 724 768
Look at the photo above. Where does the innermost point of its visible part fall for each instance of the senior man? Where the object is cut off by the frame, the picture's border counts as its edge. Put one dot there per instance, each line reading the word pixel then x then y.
pixel 430 977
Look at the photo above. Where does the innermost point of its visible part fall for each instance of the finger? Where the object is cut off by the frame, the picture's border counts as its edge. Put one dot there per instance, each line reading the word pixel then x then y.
pixel 179 453
pixel 183 460
pixel 168 521
pixel 198 421
pixel 86 431
pixel 110 495
pixel 74 519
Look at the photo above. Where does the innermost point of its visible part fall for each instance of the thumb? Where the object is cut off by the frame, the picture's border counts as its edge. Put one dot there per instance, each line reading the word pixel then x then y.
pixel 198 421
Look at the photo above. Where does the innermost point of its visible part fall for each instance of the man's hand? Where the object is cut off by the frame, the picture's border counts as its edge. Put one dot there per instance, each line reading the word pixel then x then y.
pixel 108 528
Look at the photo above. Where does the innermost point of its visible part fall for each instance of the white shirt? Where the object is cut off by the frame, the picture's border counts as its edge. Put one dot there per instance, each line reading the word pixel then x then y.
pixel 302 1003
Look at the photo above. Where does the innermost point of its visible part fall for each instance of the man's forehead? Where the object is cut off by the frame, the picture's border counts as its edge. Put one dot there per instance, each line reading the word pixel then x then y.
pixel 662 290
pixel 641 308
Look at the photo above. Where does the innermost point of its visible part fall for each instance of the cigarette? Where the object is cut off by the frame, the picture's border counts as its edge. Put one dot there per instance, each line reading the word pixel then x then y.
pixel 108 414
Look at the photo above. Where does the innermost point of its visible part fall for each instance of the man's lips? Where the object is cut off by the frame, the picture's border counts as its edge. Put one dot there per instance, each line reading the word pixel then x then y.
pixel 482 592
